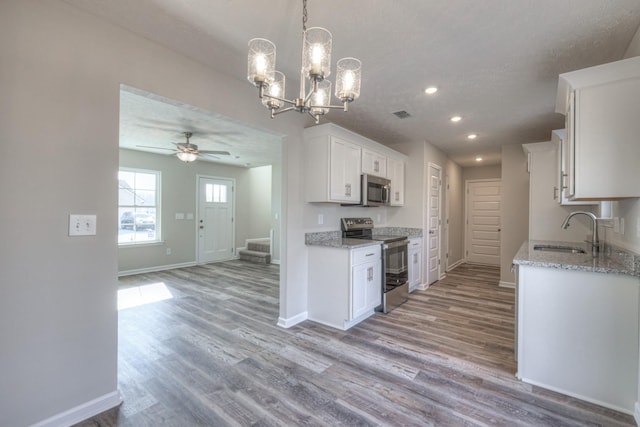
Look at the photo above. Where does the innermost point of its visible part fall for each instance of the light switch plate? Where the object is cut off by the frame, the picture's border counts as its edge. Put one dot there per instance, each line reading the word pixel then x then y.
pixel 82 225
pixel 190 216
pixel 179 215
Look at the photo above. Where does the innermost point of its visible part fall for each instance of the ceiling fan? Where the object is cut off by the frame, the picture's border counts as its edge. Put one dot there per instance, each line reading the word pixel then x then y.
pixel 188 152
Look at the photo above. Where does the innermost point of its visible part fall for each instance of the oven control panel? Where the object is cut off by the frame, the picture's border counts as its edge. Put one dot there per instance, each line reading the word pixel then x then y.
pixel 356 223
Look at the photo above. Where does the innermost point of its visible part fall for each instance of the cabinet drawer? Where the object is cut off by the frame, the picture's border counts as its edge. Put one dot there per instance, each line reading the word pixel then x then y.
pixel 368 254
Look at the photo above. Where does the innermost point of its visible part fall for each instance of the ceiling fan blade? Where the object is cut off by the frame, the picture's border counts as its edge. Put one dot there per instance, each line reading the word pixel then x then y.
pixel 220 153
pixel 206 155
pixel 155 148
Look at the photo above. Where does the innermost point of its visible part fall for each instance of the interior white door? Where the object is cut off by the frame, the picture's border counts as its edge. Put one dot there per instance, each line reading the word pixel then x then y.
pixel 483 222
pixel 434 199
pixel 215 220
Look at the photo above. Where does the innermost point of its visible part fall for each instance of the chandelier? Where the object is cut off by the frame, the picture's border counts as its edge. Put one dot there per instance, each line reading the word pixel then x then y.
pixel 316 67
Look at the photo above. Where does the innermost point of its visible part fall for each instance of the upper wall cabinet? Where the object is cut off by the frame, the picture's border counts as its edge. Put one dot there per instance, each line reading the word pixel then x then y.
pixel 335 158
pixel 374 163
pixel 395 172
pixel 333 170
pixel 560 193
pixel 601 105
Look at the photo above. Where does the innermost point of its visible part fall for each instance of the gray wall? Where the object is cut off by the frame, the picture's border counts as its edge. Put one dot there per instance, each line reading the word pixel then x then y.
pixel 259 215
pixel 179 182
pixel 455 201
pixel 61 74
pixel 481 172
pixel 515 207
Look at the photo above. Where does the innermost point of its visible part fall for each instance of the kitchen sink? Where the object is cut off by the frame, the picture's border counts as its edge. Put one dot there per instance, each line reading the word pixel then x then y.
pixel 558 248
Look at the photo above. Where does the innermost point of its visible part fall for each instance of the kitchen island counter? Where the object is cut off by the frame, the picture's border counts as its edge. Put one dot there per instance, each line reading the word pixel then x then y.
pixel 611 260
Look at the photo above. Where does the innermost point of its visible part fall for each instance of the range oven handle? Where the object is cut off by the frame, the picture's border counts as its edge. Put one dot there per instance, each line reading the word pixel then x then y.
pixel 395 244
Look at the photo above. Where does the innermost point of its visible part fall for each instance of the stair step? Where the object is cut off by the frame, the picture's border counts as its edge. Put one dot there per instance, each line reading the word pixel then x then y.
pixel 255 256
pixel 259 246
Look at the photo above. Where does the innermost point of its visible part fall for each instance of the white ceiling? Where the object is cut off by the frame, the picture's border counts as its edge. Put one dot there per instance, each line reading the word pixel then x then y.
pixel 155 124
pixel 495 62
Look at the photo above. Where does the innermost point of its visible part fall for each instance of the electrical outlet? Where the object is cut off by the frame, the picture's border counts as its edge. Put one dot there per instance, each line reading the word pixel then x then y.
pixel 621 225
pixel 168 251
pixel 320 219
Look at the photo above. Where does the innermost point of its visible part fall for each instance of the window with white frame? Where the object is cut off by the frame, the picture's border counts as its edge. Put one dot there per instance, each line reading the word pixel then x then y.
pixel 138 206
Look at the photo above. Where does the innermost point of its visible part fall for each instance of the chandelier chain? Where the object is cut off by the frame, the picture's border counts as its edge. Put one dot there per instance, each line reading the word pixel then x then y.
pixel 304 15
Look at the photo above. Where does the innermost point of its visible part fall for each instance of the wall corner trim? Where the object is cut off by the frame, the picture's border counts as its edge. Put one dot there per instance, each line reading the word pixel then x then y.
pixel 291 321
pixel 636 412
pixel 83 411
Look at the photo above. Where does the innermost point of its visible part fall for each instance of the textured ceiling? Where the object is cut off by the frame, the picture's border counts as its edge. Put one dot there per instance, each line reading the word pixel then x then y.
pixel 155 124
pixel 495 62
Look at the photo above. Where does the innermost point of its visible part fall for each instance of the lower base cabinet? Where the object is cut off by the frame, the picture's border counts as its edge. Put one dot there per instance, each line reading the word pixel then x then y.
pixel 415 263
pixel 578 334
pixel 345 286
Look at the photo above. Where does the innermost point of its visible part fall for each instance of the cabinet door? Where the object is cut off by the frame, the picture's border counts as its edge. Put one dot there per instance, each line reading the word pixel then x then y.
pixel 360 279
pixel 345 171
pixel 415 267
pixel 569 152
pixel 374 163
pixel 374 285
pixel 395 172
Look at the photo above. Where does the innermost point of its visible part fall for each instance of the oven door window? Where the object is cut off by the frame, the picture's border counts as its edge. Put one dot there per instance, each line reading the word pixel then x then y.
pixel 396 268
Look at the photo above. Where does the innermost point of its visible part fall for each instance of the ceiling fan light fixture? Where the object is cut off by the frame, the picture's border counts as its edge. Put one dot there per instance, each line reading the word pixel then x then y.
pixel 187 157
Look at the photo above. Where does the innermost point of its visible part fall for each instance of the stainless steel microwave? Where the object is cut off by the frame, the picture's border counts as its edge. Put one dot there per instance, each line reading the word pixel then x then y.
pixel 376 191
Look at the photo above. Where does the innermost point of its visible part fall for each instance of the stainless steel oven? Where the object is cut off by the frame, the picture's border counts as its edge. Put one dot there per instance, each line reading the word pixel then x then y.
pixel 395 265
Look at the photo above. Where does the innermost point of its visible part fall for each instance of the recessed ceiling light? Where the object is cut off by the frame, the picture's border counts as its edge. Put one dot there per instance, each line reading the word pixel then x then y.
pixel 472 136
pixel 478 159
pixel 456 119
pixel 431 90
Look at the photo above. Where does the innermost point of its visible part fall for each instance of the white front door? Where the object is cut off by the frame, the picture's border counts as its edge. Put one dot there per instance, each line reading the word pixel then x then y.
pixel 215 219
pixel 433 223
pixel 483 222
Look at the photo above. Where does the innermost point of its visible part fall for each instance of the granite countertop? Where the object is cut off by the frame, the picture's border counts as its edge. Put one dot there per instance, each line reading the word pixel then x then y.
pixel 611 260
pixel 333 239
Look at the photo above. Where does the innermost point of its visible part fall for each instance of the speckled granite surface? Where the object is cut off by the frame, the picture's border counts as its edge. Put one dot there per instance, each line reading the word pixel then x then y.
pixel 334 238
pixel 398 231
pixel 611 260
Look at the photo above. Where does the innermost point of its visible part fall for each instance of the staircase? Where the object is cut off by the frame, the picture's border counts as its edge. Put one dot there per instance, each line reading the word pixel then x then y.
pixel 258 251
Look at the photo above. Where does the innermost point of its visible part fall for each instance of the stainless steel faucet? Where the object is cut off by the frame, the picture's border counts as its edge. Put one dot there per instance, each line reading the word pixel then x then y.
pixel 595 242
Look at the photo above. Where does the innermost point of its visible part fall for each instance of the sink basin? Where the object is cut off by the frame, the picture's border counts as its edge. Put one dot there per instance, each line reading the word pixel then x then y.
pixel 557 248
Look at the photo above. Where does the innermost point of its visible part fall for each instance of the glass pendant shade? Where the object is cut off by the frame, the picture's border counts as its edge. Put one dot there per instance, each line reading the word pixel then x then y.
pixel 275 89
pixel 261 63
pixel 321 98
pixel 187 157
pixel 348 76
pixel 316 53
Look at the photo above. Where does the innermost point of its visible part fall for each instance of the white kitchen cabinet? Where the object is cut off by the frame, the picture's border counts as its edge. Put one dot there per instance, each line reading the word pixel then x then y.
pixel 345 286
pixel 578 334
pixel 545 214
pixel 374 163
pixel 333 170
pixel 415 263
pixel 560 190
pixel 395 172
pixel 601 105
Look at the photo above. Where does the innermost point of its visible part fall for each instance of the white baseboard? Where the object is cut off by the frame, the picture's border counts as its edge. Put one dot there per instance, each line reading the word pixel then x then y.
pixel 455 264
pixel 628 411
pixel 275 261
pixel 291 321
pixel 83 412
pixel 156 268
pixel 507 284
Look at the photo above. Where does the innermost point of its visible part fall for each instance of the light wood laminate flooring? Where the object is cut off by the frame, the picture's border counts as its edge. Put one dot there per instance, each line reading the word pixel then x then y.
pixel 212 355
